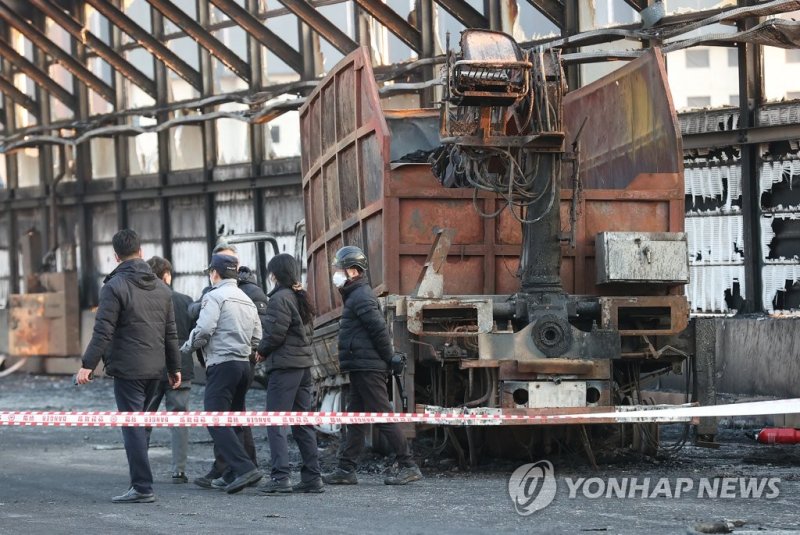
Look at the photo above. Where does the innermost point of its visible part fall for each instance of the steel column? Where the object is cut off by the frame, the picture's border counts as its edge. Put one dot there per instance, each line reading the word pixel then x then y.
pixel 45 151
pixel 209 135
pixel 427 29
pixel 571 27
pixel 83 175
pixel 165 224
pixel 256 82
pixel 11 175
pixel 257 146
pixel 494 14
pixel 751 92
pixel 309 50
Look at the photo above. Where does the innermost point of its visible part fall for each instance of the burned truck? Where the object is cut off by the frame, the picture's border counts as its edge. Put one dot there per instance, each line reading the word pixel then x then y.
pixel 527 241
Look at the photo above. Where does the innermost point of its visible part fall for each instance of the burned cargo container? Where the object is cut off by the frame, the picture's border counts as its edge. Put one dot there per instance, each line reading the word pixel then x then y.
pixel 536 259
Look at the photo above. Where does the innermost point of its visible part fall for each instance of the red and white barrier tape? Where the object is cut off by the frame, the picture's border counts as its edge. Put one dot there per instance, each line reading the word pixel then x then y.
pixel 431 415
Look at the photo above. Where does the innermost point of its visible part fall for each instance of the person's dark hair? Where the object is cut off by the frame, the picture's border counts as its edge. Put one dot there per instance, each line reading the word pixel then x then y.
pixel 160 266
pixel 284 268
pixel 126 243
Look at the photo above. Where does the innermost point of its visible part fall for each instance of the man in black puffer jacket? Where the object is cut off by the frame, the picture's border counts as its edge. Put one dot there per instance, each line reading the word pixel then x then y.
pixel 136 321
pixel 248 283
pixel 365 351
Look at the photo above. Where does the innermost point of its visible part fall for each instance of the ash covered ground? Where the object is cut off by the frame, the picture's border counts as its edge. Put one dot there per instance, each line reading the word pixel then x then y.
pixel 60 480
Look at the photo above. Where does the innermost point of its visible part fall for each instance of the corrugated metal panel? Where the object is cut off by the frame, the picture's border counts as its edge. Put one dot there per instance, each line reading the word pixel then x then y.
pixel 189 245
pixel 780 242
pixel 714 221
pixel 779 177
pixel 186 216
pixel 145 218
pixel 709 121
pixel 235 212
pixel 104 222
pixel 715 259
pixel 283 208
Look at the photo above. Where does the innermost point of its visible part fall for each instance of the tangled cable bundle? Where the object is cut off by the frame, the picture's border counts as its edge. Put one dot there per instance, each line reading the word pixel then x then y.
pixel 498 170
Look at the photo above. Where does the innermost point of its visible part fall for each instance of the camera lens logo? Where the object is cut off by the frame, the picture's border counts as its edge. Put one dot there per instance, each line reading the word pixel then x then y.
pixel 532 487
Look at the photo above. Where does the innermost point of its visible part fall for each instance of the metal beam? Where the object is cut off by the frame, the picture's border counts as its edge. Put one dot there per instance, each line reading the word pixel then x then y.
pixel 148 42
pixel 553 10
pixel 464 13
pixel 37 75
pixel 57 53
pixel 228 58
pixel 11 91
pixel 638 5
pixel 328 30
pixel 78 31
pixel 266 37
pixel 393 22
pixel 741 136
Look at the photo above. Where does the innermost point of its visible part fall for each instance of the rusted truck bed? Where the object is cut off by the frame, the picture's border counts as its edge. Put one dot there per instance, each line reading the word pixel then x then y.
pixel 631 179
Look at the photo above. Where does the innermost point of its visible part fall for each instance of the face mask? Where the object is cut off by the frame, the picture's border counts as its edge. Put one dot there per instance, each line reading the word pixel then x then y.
pixel 339 279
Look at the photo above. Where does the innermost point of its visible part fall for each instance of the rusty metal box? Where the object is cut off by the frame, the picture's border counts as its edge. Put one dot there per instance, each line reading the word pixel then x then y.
pixel 48 323
pixel 642 257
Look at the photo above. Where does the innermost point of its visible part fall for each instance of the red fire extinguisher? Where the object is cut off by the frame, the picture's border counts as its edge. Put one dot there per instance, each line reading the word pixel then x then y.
pixel 778 435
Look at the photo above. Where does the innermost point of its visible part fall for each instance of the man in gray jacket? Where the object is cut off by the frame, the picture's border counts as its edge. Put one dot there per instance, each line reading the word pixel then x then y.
pixel 228 331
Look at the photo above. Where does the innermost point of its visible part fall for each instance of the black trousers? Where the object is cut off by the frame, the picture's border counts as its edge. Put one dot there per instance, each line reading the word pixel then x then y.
pixel 368 393
pixel 134 395
pixel 290 390
pixel 226 388
pixel 220 467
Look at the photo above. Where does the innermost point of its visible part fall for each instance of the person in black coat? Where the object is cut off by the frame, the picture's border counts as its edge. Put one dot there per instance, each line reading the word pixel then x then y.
pixel 177 400
pixel 248 283
pixel 365 351
pixel 135 320
pixel 220 476
pixel 286 351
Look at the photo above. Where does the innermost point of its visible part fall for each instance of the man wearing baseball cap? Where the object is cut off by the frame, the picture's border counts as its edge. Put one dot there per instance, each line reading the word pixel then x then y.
pixel 228 331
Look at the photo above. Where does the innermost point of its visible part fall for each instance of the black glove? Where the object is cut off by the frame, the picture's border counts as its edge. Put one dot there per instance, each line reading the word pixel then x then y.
pixel 398 364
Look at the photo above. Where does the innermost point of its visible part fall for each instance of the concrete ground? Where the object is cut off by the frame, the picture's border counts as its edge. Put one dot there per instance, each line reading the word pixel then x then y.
pixel 60 480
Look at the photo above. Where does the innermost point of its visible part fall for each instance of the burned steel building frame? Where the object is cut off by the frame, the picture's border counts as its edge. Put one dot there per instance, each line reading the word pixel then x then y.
pixel 168 21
